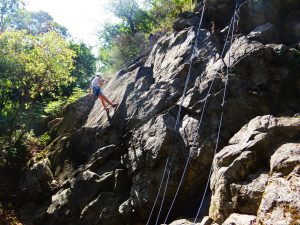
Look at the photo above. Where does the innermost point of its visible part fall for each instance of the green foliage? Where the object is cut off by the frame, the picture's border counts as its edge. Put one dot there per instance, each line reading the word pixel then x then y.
pixel 123 41
pixel 7 10
pixel 166 11
pixel 54 108
pixel 36 143
pixel 35 65
pixel 13 152
pixel 44 140
pixel 31 67
pixel 84 65
pixel 123 48
pixel 77 93
pixel 34 23
pixel 130 13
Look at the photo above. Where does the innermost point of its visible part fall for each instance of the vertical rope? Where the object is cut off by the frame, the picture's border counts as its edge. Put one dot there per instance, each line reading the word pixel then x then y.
pixel 156 198
pixel 222 113
pixel 200 123
pixel 169 162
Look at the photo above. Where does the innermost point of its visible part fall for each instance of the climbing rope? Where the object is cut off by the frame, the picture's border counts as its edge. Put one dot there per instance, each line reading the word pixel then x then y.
pixel 176 128
pixel 236 11
pixel 200 123
pixel 230 29
pixel 160 185
pixel 169 162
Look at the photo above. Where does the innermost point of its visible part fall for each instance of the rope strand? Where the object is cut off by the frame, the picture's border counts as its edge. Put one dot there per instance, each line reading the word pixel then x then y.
pixel 169 162
pixel 222 114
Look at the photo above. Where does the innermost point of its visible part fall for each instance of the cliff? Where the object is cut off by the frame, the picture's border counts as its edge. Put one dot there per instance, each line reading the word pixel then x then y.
pixel 106 169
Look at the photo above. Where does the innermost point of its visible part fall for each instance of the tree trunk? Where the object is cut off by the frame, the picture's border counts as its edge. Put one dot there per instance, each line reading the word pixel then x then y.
pixel 132 26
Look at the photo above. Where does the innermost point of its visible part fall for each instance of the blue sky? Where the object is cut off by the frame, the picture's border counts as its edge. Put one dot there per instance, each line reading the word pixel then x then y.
pixel 81 18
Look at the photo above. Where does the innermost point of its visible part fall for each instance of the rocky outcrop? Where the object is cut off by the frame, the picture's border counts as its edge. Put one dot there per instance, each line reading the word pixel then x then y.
pixel 280 203
pixel 266 33
pixel 238 219
pixel 106 168
pixel 73 116
pixel 283 15
pixel 244 170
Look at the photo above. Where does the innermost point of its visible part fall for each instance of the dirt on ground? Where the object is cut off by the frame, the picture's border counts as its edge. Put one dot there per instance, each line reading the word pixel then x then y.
pixel 8 216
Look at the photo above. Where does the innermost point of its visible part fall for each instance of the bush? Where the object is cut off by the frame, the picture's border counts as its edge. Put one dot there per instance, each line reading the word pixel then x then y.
pixel 124 48
pixel 54 108
pixel 13 150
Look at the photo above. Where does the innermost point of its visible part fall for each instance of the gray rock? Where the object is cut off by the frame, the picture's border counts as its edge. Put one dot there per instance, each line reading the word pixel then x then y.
pixel 181 24
pixel 74 116
pixel 266 33
pixel 254 13
pixel 280 204
pixel 37 179
pixel 239 219
pixel 126 208
pixel 103 210
pixel 248 155
pixel 285 159
pixel 108 168
pixel 68 201
pixel 183 222
pixel 206 221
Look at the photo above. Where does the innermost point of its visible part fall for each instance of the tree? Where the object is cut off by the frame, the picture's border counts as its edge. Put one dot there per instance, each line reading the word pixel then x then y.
pixel 125 10
pixel 131 14
pixel 30 68
pixel 165 11
pixel 7 9
pixel 84 65
pixel 34 23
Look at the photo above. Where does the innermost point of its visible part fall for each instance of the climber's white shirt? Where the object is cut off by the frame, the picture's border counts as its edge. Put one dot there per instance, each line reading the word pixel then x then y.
pixel 96 82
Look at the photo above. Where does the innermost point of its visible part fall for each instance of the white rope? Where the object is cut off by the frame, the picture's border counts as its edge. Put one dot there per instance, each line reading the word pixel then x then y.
pixel 176 125
pixel 222 113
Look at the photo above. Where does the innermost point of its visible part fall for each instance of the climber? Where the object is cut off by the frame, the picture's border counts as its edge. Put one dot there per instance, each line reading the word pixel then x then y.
pixel 95 88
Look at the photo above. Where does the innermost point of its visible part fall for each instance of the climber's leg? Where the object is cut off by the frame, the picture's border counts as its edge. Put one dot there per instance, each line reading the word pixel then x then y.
pixel 103 102
pixel 104 98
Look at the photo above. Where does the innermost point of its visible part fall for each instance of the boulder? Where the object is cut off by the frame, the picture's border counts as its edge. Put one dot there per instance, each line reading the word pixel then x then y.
pixel 74 116
pixel 240 178
pixel 205 221
pixel 67 204
pixel 239 219
pixel 266 33
pixel 254 14
pixel 37 180
pixel 181 24
pixel 280 203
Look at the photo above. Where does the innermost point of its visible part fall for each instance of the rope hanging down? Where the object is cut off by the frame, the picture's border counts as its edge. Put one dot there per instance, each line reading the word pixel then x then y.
pixel 180 107
pixel 199 126
pixel 168 162
pixel 232 23
pixel 236 11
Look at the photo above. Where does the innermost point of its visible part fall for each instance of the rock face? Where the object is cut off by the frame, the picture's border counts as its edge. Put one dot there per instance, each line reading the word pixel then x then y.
pixel 283 15
pixel 248 174
pixel 106 168
pixel 239 219
pixel 280 203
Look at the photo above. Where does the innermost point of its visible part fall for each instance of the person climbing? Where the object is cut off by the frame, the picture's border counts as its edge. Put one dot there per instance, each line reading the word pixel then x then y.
pixel 95 88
